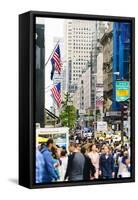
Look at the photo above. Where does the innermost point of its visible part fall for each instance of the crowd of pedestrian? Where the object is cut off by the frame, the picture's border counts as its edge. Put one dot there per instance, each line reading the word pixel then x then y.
pixel 82 161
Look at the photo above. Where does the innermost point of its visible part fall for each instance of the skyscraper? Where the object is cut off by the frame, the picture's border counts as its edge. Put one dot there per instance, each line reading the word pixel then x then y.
pixel 79 35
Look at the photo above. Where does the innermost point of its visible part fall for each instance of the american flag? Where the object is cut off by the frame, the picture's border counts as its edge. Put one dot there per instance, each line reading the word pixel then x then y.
pixel 99 101
pixel 56 93
pixel 56 60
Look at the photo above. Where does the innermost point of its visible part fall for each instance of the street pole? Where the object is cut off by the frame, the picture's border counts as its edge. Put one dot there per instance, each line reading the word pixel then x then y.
pixel 69 103
pixel 69 116
pixel 121 125
pixel 95 109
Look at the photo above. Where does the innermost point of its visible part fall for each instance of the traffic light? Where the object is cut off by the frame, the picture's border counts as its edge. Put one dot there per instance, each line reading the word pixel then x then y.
pixel 125 112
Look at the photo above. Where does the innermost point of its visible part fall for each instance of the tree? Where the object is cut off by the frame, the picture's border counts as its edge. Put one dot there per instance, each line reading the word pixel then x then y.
pixel 68 112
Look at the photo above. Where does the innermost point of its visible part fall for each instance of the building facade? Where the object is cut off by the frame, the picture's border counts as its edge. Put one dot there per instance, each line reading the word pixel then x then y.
pixel 40 73
pixel 121 56
pixel 107 43
pixel 78 44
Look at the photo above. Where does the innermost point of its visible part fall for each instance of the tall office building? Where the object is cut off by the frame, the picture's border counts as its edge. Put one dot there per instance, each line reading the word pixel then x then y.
pixel 79 36
pixel 95 61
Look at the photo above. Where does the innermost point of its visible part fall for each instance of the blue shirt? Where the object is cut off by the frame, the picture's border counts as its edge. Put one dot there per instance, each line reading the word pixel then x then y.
pixel 49 170
pixel 39 167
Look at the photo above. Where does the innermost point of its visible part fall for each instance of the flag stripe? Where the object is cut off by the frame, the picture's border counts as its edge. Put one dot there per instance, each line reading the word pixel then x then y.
pixel 56 97
pixel 56 59
pixel 99 101
pixel 57 62
pixel 56 94
pixel 57 67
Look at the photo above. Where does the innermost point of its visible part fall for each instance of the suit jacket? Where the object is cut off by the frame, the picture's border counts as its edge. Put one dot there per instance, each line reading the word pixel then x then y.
pixel 106 165
pixel 75 166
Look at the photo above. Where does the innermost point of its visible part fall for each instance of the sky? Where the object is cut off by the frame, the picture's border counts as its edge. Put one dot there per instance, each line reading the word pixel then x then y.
pixel 53 28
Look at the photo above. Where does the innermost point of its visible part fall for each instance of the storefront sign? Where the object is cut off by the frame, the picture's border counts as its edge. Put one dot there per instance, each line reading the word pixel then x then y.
pixel 122 90
pixel 102 126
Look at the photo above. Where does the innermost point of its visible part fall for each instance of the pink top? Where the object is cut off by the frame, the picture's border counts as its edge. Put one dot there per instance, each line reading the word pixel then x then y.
pixel 94 156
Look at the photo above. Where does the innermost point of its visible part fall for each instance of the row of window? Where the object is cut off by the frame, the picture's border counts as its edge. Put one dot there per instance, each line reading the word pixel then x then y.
pixel 75 79
pixel 82 56
pixel 77 71
pixel 85 43
pixel 82 52
pixel 80 42
pixel 82 48
pixel 84 28
pixel 78 68
pixel 79 63
pixel 85 58
pixel 81 37
pixel 79 29
pixel 76 35
pixel 79 59
pixel 81 33
pixel 76 75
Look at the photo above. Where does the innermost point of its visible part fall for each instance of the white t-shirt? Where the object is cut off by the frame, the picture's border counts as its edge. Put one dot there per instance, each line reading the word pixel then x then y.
pixel 63 167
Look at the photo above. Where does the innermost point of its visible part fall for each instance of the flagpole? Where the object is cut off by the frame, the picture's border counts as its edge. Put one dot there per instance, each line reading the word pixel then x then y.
pixel 52 53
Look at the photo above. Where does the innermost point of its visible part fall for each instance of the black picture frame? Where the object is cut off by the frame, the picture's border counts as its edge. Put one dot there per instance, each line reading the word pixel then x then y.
pixel 27 97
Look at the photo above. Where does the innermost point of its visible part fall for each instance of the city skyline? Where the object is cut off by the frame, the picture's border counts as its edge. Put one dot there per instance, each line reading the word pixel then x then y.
pixel 55 28
pixel 88 110
pixel 86 49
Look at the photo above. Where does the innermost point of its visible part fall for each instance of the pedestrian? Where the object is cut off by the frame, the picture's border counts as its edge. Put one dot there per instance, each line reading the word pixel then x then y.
pixel 116 156
pixel 75 165
pixel 56 160
pixel 89 169
pixel 94 156
pixel 64 162
pixel 40 164
pixel 124 165
pixel 49 170
pixel 106 164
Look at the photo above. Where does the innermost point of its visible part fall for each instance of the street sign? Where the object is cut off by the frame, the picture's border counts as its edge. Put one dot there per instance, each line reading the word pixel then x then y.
pixel 125 124
pixel 102 126
pixel 122 90
pixel 113 114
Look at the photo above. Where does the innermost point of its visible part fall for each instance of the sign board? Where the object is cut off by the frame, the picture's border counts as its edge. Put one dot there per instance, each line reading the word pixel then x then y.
pixel 102 126
pixel 60 135
pixel 113 114
pixel 122 90
pixel 125 124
